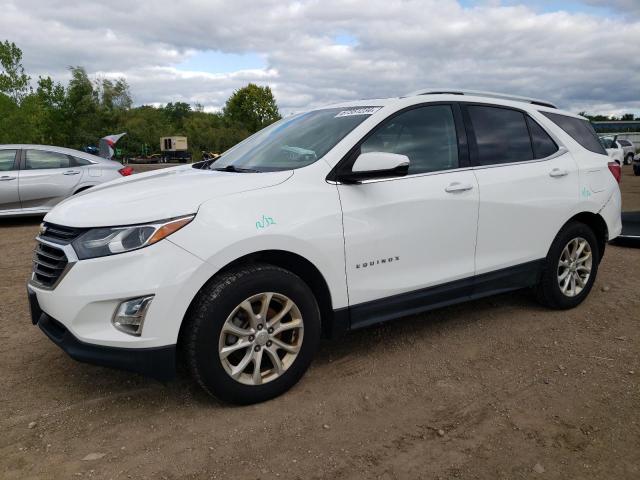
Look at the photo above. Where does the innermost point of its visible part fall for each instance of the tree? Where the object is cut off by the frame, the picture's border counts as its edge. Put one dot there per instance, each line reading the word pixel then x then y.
pixel 114 95
pixel 177 112
pixel 253 107
pixel 13 81
pixel 86 109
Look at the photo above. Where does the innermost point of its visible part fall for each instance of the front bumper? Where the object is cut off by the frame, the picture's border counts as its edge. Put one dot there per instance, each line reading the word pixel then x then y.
pixel 86 299
pixel 154 362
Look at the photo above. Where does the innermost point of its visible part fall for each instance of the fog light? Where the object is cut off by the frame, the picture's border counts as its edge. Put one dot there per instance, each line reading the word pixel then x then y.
pixel 130 314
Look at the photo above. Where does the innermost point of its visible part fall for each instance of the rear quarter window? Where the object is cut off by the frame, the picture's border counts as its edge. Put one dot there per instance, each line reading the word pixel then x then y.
pixel 543 144
pixel 79 162
pixel 580 130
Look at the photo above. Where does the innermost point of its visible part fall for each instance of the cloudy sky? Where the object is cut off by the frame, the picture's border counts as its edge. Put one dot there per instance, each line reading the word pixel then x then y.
pixel 582 54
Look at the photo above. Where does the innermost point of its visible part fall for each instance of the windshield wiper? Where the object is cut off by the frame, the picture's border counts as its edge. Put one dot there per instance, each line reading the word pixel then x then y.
pixel 234 169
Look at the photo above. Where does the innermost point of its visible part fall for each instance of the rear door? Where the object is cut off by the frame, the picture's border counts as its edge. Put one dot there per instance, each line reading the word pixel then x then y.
pixel 46 178
pixel 528 186
pixel 9 198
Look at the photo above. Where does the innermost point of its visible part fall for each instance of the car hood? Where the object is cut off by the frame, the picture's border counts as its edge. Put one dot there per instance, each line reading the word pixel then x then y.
pixel 156 195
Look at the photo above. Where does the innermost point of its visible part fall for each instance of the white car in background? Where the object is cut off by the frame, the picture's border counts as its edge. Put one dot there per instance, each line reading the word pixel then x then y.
pixel 326 221
pixel 628 150
pixel 34 178
pixel 614 150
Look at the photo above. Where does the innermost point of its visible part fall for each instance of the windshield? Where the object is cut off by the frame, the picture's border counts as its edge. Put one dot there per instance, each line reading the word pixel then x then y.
pixel 293 142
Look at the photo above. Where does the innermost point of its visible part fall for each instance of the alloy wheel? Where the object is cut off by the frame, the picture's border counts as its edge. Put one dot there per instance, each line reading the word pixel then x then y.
pixel 574 267
pixel 261 338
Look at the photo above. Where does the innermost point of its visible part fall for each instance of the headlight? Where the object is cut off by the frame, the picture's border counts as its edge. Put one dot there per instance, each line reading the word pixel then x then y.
pixel 100 242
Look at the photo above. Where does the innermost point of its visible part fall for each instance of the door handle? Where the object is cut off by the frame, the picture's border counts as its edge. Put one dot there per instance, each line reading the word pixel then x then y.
pixel 558 172
pixel 71 172
pixel 6 178
pixel 458 187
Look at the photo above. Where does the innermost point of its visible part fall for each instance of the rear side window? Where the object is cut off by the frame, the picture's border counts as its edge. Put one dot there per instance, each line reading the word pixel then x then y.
pixel 543 145
pixel 501 135
pixel 42 160
pixel 580 130
pixel 624 143
pixel 7 160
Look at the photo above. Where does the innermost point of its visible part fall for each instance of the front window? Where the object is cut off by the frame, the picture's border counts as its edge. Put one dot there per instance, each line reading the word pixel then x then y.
pixel 427 135
pixel 293 142
pixel 7 160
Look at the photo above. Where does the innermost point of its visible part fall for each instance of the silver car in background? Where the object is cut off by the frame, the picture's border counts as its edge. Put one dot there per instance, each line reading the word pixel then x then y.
pixel 34 178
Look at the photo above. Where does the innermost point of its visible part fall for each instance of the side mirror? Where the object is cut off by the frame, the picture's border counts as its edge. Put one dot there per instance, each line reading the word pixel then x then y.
pixel 372 165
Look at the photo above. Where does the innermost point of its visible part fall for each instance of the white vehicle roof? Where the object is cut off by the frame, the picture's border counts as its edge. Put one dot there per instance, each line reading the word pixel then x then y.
pixel 457 95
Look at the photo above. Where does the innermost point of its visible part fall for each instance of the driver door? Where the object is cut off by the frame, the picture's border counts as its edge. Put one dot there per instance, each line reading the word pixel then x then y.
pixel 9 198
pixel 406 235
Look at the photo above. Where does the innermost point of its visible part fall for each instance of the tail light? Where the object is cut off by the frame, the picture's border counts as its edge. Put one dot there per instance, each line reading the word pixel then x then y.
pixel 616 170
pixel 126 171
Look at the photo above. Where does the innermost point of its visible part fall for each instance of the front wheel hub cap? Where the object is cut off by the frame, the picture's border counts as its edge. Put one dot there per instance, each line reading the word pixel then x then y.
pixel 261 338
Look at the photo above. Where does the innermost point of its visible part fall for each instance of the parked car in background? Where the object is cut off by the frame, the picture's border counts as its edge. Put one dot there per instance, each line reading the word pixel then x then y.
pixel 34 178
pixel 326 221
pixel 614 150
pixel 628 150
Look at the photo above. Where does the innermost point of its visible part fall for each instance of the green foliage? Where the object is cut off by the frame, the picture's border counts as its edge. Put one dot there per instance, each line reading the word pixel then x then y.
pixel 608 118
pixel 88 109
pixel 13 81
pixel 253 107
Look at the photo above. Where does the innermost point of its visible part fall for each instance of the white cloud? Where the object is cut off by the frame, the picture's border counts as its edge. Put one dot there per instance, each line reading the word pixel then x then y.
pixel 582 62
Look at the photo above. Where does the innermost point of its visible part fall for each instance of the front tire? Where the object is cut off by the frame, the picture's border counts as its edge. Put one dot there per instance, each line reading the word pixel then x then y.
pixel 252 333
pixel 570 267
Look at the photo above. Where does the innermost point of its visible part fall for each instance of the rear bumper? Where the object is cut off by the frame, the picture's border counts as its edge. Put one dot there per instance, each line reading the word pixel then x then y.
pixel 154 362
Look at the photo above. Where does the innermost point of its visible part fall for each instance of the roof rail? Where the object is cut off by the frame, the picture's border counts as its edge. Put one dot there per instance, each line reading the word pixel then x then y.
pixel 478 93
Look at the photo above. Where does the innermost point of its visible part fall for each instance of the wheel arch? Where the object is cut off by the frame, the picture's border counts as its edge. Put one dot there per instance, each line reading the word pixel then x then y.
pixel 597 224
pixel 333 323
pixel 82 189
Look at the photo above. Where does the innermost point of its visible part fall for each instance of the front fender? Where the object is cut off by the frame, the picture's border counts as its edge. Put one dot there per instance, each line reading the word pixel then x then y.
pixel 302 219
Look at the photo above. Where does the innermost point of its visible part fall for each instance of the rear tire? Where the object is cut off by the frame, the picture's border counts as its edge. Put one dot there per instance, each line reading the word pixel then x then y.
pixel 570 267
pixel 629 159
pixel 265 316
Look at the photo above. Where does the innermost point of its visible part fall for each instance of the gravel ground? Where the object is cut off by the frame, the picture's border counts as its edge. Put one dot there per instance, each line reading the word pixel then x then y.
pixel 495 389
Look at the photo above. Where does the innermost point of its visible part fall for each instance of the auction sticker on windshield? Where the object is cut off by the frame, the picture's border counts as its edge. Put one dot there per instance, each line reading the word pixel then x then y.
pixel 358 111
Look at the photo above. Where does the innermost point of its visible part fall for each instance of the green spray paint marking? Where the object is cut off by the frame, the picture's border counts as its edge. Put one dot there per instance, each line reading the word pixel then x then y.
pixel 265 222
pixel 585 192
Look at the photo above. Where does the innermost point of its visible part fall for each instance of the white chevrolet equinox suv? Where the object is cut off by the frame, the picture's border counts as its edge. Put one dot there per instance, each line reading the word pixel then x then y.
pixel 324 222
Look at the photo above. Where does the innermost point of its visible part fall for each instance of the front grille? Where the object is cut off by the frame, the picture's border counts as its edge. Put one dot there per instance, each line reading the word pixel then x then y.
pixel 60 234
pixel 48 264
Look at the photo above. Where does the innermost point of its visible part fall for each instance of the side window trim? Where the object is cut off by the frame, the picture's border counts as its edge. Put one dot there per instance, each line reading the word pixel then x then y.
pixel 348 160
